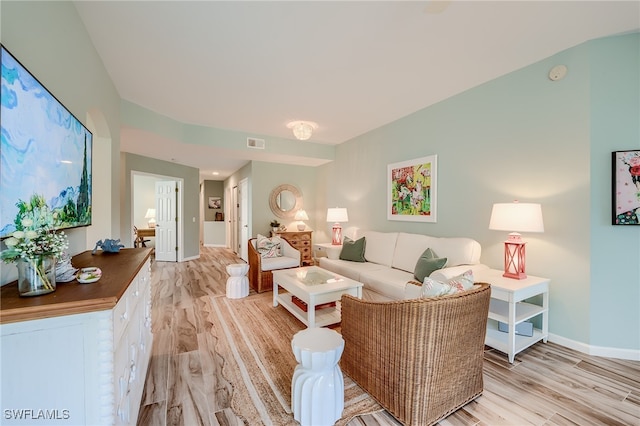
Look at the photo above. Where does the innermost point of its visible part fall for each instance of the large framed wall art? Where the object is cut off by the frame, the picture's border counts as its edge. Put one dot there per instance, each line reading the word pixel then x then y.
pixel 626 187
pixel 411 191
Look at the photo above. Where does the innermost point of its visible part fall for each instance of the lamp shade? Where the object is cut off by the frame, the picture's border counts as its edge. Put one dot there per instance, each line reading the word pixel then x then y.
pixel 516 217
pixel 151 213
pixel 337 215
pixel 301 215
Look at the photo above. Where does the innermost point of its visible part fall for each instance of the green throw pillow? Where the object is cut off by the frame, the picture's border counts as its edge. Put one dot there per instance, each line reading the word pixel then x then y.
pixel 427 263
pixel 353 250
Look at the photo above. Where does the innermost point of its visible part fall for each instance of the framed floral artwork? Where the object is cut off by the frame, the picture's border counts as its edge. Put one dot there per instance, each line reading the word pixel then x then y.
pixel 626 187
pixel 411 191
pixel 214 202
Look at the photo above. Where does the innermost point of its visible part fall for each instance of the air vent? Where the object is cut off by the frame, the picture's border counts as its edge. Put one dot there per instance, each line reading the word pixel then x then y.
pixel 255 143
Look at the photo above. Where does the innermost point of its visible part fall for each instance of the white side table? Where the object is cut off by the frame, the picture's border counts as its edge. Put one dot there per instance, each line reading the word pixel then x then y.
pixel 332 251
pixel 317 387
pixel 237 283
pixel 507 306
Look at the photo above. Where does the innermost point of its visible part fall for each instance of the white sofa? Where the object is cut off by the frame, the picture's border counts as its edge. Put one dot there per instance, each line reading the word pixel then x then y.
pixel 391 258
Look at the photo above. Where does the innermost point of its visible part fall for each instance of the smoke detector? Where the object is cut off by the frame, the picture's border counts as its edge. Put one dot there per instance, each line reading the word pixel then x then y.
pixel 558 72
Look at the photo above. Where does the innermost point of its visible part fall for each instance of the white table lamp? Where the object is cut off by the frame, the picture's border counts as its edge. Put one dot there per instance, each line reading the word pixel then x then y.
pixel 300 216
pixel 516 217
pixel 337 215
pixel 151 215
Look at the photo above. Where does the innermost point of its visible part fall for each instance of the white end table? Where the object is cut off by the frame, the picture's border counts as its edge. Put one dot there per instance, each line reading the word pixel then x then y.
pixel 317 386
pixel 507 306
pixel 237 283
pixel 332 251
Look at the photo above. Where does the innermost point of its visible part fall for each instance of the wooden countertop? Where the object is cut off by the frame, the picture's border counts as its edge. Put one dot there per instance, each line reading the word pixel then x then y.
pixel 118 271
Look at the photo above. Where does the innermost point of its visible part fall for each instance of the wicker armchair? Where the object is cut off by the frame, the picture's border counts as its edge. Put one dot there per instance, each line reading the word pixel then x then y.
pixel 260 275
pixel 421 359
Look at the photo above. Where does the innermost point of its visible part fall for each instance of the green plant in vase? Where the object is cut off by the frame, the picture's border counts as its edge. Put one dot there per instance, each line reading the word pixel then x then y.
pixel 35 246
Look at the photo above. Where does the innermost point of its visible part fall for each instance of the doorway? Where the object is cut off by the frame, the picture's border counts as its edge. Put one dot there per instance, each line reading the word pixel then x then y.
pixel 143 197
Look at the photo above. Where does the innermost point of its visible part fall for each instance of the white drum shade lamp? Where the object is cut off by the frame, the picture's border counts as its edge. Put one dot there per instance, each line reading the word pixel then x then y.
pixel 337 215
pixel 516 217
pixel 300 216
pixel 151 216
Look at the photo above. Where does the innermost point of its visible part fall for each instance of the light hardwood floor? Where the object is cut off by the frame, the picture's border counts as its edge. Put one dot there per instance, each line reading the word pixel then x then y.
pixel 547 384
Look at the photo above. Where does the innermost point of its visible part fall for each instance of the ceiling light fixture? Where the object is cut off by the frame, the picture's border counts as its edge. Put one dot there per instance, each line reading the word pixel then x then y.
pixel 302 130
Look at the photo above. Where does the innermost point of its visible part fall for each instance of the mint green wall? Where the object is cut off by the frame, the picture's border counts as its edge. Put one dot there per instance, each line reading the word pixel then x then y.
pixel 615 250
pixel 267 176
pixel 191 196
pixel 51 42
pixel 522 136
pixel 141 118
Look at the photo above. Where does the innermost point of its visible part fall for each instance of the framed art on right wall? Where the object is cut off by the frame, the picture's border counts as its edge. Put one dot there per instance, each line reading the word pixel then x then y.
pixel 626 187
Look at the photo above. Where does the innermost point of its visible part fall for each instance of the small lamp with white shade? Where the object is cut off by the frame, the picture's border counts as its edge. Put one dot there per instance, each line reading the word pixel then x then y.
pixel 151 215
pixel 300 216
pixel 516 217
pixel 337 215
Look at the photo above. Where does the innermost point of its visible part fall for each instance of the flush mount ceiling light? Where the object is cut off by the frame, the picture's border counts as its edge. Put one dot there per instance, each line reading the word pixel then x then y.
pixel 302 130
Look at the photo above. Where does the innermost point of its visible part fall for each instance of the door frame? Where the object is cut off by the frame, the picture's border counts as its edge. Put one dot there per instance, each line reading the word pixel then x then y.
pixel 179 206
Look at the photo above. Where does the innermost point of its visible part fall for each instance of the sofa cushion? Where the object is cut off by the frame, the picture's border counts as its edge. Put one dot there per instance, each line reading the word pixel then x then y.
pixel 380 247
pixel 347 268
pixel 459 250
pixel 451 271
pixel 409 248
pixel 353 250
pixel 427 263
pixel 459 283
pixel 269 247
pixel 389 282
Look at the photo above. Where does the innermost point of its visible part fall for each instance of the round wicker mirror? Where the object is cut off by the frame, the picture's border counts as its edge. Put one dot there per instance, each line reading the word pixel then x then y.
pixel 285 200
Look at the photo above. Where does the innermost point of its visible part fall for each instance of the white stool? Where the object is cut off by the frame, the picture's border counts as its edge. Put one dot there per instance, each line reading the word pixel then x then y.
pixel 317 387
pixel 237 283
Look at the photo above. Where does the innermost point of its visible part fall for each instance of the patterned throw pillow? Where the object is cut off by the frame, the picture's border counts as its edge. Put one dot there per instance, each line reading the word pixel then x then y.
pixel 269 247
pixel 433 288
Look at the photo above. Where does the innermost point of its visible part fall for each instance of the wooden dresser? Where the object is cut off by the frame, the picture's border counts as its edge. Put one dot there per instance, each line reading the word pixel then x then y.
pixel 300 240
pixel 79 355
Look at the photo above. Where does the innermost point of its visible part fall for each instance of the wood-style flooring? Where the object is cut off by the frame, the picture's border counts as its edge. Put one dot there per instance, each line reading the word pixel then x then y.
pixel 547 384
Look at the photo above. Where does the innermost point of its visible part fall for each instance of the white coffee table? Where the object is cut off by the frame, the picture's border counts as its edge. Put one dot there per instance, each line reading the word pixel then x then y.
pixel 314 286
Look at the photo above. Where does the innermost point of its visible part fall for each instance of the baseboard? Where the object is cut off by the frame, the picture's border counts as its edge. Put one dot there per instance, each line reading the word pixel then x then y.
pixel 628 354
pixel 214 245
pixel 186 259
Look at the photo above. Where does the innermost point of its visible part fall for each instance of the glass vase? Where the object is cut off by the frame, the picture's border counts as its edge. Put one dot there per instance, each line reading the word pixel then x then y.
pixel 36 276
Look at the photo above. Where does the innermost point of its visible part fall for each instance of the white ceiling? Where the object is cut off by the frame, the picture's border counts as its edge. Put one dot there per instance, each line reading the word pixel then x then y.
pixel 350 66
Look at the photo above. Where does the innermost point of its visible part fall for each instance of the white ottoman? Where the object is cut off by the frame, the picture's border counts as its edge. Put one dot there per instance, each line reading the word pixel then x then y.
pixel 237 283
pixel 317 387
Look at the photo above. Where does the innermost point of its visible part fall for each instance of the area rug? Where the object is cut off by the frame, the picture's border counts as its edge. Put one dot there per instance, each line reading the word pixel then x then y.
pixel 254 339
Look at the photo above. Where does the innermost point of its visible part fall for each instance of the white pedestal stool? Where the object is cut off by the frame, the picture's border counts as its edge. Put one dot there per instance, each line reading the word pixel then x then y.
pixel 237 283
pixel 317 387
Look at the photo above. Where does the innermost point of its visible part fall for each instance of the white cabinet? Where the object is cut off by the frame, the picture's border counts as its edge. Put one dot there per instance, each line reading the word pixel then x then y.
pixel 508 306
pixel 79 368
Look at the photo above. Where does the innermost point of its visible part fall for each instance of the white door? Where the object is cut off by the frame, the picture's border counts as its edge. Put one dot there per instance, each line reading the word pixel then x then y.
pixel 234 219
pixel 166 224
pixel 243 218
